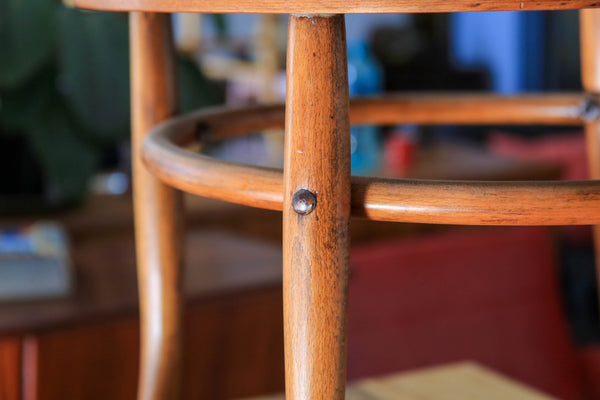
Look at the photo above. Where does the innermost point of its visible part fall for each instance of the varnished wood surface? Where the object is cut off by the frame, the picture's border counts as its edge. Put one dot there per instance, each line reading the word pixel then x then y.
pixel 422 201
pixel 331 6
pixel 316 246
pixel 589 27
pixel 462 203
pixel 158 210
pixel 464 380
pixel 427 109
pixel 478 203
pixel 472 108
pixel 10 368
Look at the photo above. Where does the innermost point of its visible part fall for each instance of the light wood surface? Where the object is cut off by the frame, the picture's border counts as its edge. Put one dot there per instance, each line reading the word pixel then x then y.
pixel 331 6
pixel 589 30
pixel 478 203
pixel 158 211
pixel 589 22
pixel 464 381
pixel 316 245
pixel 471 108
pixel 426 109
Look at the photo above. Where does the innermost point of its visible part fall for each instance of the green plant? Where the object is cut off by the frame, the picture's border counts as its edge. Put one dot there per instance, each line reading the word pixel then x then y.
pixel 64 88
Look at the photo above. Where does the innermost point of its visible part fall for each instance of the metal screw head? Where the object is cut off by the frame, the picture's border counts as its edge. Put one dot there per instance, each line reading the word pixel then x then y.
pixel 590 110
pixel 304 202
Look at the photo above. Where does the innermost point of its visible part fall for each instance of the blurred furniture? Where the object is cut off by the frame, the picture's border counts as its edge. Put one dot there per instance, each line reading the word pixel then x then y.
pixel 86 346
pixel 456 381
pixel 404 291
pixel 41 341
pixel 315 190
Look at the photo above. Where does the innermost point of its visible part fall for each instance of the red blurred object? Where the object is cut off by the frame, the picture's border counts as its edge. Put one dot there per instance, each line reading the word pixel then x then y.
pixel 399 154
pixel 488 295
pixel 567 150
pixel 589 358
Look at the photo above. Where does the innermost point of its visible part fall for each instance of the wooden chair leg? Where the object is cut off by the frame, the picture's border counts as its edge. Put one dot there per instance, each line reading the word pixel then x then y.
pixel 589 21
pixel 157 208
pixel 316 208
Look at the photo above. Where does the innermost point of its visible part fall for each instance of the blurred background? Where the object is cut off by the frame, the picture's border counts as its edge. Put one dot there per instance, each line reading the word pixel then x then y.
pixel 520 300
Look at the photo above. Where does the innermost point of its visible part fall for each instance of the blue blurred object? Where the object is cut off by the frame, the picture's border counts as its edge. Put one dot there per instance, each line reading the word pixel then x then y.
pixel 14 241
pixel 509 44
pixel 364 78
pixel 34 262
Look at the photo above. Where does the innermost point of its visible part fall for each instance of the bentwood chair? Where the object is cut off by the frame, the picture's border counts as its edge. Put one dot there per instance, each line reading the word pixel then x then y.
pixel 315 190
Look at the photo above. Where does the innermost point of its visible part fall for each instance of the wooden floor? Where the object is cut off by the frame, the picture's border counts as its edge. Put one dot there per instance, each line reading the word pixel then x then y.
pixel 464 381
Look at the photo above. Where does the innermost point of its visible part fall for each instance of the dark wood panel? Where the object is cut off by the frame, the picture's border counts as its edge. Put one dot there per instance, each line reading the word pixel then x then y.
pixel 97 362
pixel 234 348
pixel 10 369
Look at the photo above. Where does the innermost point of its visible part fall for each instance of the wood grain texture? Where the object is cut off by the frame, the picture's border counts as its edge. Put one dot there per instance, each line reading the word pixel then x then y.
pixel 316 246
pixel 466 109
pixel 234 345
pixel 10 369
pixel 331 6
pixel 401 200
pixel 234 348
pixel 426 109
pixel 157 209
pixel 101 360
pixel 477 203
pixel 463 203
pixel 463 380
pixel 261 187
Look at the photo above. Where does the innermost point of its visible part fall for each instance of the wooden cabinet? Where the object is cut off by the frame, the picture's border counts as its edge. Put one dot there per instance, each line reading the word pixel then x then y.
pixel 234 348
pixel 86 346
pixel 10 369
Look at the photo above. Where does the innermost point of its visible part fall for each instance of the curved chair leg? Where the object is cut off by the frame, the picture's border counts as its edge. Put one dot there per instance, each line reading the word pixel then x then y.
pixel 316 208
pixel 589 21
pixel 157 208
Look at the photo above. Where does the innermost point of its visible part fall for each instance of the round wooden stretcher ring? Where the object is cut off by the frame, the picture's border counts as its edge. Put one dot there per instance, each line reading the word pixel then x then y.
pixel 332 6
pixel 400 200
